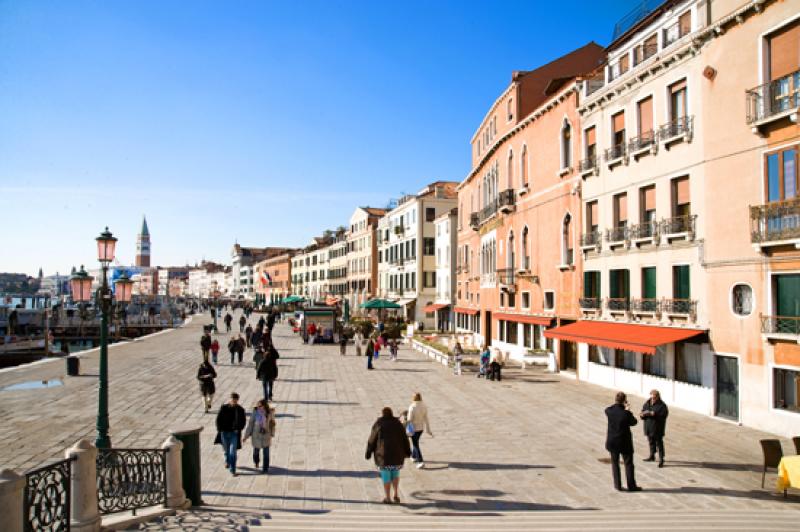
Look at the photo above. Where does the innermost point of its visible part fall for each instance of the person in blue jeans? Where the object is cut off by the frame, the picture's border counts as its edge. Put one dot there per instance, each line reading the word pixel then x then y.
pixel 231 421
pixel 261 429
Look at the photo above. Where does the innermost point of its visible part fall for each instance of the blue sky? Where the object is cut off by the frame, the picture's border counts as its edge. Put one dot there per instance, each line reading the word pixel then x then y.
pixel 257 121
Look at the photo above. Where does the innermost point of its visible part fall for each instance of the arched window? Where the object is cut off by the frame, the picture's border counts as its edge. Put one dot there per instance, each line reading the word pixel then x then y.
pixel 510 169
pixel 566 240
pixel 526 260
pixel 566 145
pixel 523 166
pixel 510 252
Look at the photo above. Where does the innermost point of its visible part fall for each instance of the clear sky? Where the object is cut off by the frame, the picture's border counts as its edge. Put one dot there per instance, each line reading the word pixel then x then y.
pixel 258 121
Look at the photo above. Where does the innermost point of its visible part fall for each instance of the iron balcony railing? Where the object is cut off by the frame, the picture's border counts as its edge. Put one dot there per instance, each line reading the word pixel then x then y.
pixel 506 198
pixel 399 229
pixel 644 230
pixel 617 234
pixel 645 305
pixel 506 276
pixel 683 126
pixel 618 303
pixel 488 211
pixel 615 152
pixel 679 306
pixel 47 497
pixel 780 324
pixel 592 238
pixel 589 163
pixel 128 479
pixel 474 220
pixel 779 220
pixel 679 224
pixel 645 140
pixel 642 9
pixel 772 98
pixel 591 303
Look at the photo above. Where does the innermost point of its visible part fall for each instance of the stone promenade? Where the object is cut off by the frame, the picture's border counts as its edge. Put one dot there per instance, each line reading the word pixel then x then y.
pixel 533 442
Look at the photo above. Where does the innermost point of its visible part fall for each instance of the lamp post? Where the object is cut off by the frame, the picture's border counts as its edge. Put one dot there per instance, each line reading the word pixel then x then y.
pixel 81 291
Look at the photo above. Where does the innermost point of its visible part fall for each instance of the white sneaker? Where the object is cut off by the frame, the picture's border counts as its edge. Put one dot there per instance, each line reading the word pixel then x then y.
pixel 420 465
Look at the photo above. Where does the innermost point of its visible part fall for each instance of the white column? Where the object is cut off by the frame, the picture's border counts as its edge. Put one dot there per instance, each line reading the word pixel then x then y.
pixel 12 492
pixel 84 511
pixel 176 497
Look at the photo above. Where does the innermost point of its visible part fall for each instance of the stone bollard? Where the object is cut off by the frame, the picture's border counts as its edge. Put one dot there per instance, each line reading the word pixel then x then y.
pixel 84 510
pixel 176 496
pixel 12 505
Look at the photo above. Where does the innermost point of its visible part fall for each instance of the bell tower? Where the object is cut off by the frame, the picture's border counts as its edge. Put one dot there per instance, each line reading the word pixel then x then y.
pixel 143 246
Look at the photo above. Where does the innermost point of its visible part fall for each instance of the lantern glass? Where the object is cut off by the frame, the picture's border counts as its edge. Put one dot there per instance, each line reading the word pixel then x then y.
pixel 106 243
pixel 123 289
pixel 81 286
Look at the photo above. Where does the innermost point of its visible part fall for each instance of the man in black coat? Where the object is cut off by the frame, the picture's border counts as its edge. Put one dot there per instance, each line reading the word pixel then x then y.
pixel 654 413
pixel 231 420
pixel 619 441
pixel 205 344
pixel 389 445
pixel 267 370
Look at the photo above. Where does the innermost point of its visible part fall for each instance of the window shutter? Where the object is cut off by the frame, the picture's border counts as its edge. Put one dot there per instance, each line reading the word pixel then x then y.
pixel 590 136
pixel 645 115
pixel 623 64
pixel 784 51
pixel 682 191
pixel 622 207
pixel 676 87
pixel 593 216
pixel 649 198
pixel 618 121
pixel 685 23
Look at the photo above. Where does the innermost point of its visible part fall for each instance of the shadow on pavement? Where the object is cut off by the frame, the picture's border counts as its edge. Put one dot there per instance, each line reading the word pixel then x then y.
pixel 200 518
pixel 340 403
pixel 480 504
pixel 482 466
pixel 724 492
pixel 306 380
pixel 719 466
pixel 282 471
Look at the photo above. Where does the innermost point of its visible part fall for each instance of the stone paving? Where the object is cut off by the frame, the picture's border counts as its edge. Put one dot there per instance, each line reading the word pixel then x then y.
pixel 533 442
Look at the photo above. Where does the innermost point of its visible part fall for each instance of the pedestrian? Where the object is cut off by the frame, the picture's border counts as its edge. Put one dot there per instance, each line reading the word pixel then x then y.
pixel 228 320
pixel 389 447
pixel 261 323
pixel 261 428
pixel 495 369
pixel 619 441
pixel 206 375
pixel 485 357
pixel 416 424
pixel 458 357
pixel 257 338
pixel 393 349
pixel 267 371
pixel 205 344
pixel 342 344
pixel 248 334
pixel 369 352
pixel 270 321
pixel 358 339
pixel 231 420
pixel 239 347
pixel 654 413
pixel 242 323
pixel 377 347
pixel 232 348
pixel 214 350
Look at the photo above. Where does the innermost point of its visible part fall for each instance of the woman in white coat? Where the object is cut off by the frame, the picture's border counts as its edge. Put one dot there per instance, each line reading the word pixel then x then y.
pixel 417 422
pixel 261 428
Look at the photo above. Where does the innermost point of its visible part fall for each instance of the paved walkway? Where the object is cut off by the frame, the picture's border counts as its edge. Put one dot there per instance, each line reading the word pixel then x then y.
pixel 533 442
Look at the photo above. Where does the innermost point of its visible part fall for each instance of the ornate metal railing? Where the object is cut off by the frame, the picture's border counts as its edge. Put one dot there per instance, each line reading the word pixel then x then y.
pixel 678 224
pixel 128 479
pixel 679 126
pixel 589 302
pixel 644 305
pixel 474 220
pixel 779 220
pixel 617 234
pixel 645 140
pixel 592 238
pixel 679 306
pixel 587 164
pixel 775 97
pixel 617 303
pixel 48 497
pixel 488 211
pixel 506 198
pixel 644 230
pixel 780 324
pixel 615 152
pixel 506 275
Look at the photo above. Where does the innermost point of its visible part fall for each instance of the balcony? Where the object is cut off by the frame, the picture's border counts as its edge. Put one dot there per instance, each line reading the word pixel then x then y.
pixel 645 306
pixel 618 304
pixel 592 239
pixel 644 231
pixel 678 226
pixel 774 100
pixel 615 155
pixel 643 144
pixel 775 224
pixel 506 200
pixel 507 277
pixel 474 221
pixel 588 165
pixel 680 129
pixel 489 278
pixel 488 211
pixel 617 235
pixel 687 307
pixel 399 229
pixel 589 303
pixel 780 325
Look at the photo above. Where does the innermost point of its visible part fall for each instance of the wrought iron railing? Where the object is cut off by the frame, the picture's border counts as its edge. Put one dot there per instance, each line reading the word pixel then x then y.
pixel 589 163
pixel 506 275
pixel 644 305
pixel 617 234
pixel 678 224
pixel 592 238
pixel 128 479
pixel 617 303
pixel 679 306
pixel 615 152
pixel 644 230
pixel 488 211
pixel 506 198
pixel 774 97
pixel 474 220
pixel 645 140
pixel 779 220
pixel 399 229
pixel 780 324
pixel 47 497
pixel 589 303
pixel 682 126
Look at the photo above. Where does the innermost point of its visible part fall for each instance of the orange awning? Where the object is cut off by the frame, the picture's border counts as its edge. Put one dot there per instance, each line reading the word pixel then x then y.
pixel 434 307
pixel 522 318
pixel 639 338
pixel 466 310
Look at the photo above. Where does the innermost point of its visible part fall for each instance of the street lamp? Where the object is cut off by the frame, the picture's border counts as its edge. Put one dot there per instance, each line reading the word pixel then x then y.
pixel 81 291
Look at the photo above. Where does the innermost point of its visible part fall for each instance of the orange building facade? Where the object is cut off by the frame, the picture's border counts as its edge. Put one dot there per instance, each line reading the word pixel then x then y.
pixel 272 279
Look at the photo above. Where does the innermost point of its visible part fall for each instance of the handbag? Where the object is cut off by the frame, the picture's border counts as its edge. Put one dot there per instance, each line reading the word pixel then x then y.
pixel 410 429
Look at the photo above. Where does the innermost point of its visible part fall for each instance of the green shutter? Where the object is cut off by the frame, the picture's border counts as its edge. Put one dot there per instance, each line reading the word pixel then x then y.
pixel 681 288
pixel 788 295
pixel 648 283
pixel 626 284
pixel 614 284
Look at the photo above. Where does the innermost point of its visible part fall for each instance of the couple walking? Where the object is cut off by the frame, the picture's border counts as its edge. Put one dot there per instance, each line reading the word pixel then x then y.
pixel 389 444
pixel 260 428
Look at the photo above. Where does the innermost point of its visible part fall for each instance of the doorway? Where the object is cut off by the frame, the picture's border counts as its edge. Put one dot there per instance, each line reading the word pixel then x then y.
pixel 568 355
pixel 727 397
pixel 487 327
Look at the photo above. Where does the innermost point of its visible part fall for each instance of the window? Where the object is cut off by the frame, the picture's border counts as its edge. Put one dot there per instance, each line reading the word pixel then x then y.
pixel 599 355
pixel 688 363
pixel 647 204
pixel 429 279
pixel 549 300
pixel 526 300
pixel 677 101
pixel 655 364
pixel 566 242
pixel 649 286
pixel 618 132
pixel 784 54
pixel 510 170
pixel 510 109
pixel 646 50
pixel 429 246
pixel 591 285
pixel 619 286
pixel 625 359
pixel 592 216
pixel 621 210
pixel 566 145
pixel 511 331
pixel 786 383
pixel 645 112
pixel 742 300
pixel 786 290
pixel 623 64
pixel 681 201
pixel 590 134
pixel 781 173
pixel 681 288
pixel 523 166
pixel 527 330
pixel 685 23
pixel 430 214
pixel 526 260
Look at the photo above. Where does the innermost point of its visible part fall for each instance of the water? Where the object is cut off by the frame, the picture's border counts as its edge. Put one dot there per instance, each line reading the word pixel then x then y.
pixel 32 385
